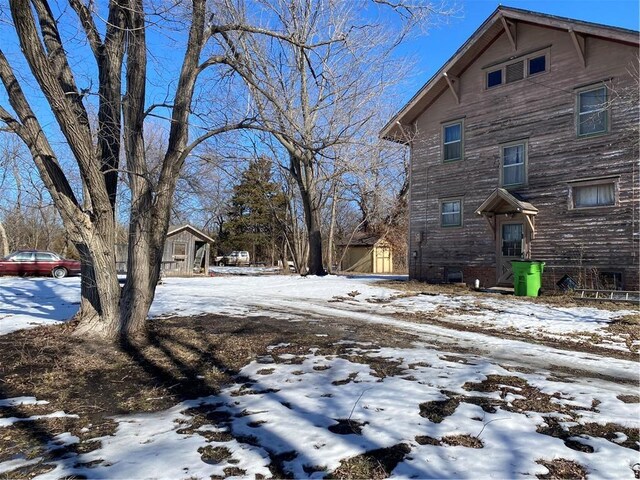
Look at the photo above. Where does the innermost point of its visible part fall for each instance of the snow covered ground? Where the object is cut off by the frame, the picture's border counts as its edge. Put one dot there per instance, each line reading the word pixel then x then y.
pixel 28 302
pixel 316 411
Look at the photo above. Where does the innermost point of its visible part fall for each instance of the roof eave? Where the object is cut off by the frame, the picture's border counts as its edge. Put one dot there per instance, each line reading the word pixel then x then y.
pixel 438 76
pixel 193 229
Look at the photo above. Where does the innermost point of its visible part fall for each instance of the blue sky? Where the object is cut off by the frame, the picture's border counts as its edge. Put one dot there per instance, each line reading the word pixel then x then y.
pixel 433 50
pixel 429 51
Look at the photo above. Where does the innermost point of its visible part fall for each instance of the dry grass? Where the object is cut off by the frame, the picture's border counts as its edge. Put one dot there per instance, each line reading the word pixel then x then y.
pixel 627 327
pixel 214 455
pixel 375 464
pixel 560 299
pixel 629 398
pixel 534 400
pixel 462 441
pixel 347 426
pixel 561 468
pixel 436 411
pixel 381 367
pixel 554 428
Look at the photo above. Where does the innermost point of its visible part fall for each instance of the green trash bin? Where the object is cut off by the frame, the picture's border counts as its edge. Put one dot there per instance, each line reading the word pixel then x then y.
pixel 527 277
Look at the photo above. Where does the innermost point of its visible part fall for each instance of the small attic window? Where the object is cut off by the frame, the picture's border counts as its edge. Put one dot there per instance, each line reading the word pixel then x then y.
pixel 494 78
pixel 517 69
pixel 537 64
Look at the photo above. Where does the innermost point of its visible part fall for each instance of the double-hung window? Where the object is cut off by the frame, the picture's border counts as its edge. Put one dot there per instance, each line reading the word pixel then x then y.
pixel 514 164
pixel 451 213
pixel 452 144
pixel 593 112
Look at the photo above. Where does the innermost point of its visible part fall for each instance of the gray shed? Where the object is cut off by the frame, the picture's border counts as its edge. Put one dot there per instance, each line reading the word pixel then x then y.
pixel 186 252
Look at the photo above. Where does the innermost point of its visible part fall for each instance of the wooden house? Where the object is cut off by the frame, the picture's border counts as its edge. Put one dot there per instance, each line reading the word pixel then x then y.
pixel 525 145
pixel 366 253
pixel 186 252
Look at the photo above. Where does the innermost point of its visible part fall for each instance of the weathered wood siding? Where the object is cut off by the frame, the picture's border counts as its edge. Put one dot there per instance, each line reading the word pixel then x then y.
pixel 542 110
pixel 174 265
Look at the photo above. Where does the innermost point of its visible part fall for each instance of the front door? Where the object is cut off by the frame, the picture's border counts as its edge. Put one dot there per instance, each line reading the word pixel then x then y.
pixel 511 244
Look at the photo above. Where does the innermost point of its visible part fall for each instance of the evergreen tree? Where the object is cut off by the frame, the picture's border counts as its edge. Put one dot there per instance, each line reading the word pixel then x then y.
pixel 256 205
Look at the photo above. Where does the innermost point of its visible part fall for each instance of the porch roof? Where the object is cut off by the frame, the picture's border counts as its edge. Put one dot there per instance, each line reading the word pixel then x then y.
pixel 502 202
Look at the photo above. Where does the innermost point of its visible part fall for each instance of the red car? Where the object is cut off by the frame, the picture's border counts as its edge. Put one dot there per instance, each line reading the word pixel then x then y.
pixel 33 262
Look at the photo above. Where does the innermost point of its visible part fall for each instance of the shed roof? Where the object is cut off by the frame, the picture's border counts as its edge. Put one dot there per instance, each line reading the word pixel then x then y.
pixel 175 230
pixel 482 38
pixel 360 239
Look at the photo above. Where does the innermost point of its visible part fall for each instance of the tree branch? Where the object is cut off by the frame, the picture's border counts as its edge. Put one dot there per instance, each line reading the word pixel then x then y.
pixel 30 132
pixel 89 26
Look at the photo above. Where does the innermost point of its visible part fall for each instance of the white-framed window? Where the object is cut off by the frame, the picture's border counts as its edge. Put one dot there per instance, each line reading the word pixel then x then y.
pixel 596 193
pixel 452 141
pixel 592 110
pixel 513 164
pixel 517 69
pixel 451 212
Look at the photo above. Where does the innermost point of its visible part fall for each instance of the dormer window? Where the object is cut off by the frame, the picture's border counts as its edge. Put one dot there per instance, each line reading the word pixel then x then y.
pixel 537 65
pixel 517 69
pixel 494 78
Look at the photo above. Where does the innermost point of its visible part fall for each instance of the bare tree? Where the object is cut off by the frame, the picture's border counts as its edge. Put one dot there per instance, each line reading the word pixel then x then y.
pixel 119 50
pixel 314 88
pixel 303 62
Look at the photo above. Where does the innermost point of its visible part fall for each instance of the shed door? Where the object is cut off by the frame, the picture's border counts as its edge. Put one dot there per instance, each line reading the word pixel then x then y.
pixel 383 260
pixel 510 247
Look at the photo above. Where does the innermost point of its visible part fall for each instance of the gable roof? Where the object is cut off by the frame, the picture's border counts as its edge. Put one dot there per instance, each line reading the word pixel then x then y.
pixel 193 230
pixel 501 201
pixel 482 38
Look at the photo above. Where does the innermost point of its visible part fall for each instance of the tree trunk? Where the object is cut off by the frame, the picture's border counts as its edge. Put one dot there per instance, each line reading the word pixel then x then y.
pixel 4 241
pixel 332 227
pixel 302 171
pixel 312 220
pixel 99 314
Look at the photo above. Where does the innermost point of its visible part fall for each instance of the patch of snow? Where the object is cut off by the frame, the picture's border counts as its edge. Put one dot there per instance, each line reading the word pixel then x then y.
pixel 5 422
pixel 16 401
pixel 16 463
pixel 30 302
pixel 270 348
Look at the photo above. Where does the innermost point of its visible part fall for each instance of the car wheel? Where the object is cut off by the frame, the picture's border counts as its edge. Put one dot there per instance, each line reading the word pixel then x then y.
pixel 59 272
